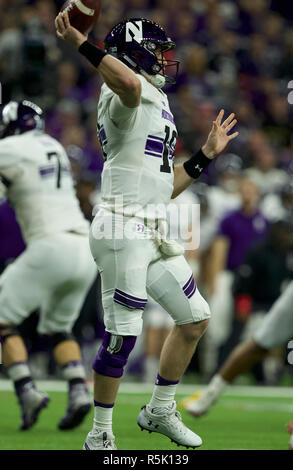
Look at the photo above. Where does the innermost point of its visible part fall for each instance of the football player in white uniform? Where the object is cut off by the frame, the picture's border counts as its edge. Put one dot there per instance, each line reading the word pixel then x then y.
pixel 275 330
pixel 138 135
pixel 55 271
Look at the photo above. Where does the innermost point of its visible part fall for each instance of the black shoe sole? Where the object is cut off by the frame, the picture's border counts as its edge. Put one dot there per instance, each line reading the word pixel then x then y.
pixel 76 418
pixel 172 440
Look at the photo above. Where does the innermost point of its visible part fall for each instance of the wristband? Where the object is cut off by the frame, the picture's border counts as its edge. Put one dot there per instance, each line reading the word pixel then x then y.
pixel 93 54
pixel 196 164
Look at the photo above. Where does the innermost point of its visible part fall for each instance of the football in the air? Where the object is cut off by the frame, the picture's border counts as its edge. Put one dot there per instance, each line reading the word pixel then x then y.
pixel 83 14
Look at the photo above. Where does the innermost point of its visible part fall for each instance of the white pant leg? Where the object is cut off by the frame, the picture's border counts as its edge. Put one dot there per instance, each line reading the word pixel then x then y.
pixel 52 272
pixel 156 317
pixel 74 273
pixel 123 265
pixel 21 287
pixel 277 326
pixel 221 304
pixel 170 282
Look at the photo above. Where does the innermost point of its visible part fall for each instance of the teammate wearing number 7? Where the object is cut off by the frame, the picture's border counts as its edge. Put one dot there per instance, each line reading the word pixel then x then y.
pixel 55 271
pixel 138 135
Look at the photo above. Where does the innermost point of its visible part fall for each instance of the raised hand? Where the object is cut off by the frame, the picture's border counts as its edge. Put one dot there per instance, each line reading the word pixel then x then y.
pixel 218 138
pixel 68 33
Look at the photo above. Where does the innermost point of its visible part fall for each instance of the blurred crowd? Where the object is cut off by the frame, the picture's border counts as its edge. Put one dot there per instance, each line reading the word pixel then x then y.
pixel 236 55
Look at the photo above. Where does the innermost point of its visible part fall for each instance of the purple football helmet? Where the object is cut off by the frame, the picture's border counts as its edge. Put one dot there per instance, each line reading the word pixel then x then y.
pixel 19 117
pixel 135 42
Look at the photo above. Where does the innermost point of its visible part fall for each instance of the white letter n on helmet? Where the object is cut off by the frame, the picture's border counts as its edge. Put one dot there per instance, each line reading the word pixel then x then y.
pixel 134 31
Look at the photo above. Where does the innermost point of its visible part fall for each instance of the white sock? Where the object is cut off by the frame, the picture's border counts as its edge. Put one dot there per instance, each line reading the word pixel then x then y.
pixel 73 370
pixel 103 419
pixel 163 395
pixel 18 371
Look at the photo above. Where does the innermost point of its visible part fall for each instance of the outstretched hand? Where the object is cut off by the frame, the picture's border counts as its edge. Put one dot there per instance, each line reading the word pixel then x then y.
pixel 218 137
pixel 68 33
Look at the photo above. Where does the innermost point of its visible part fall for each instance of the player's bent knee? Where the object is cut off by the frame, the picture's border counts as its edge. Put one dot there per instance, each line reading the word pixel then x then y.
pixel 257 348
pixel 6 331
pixel 194 331
pixel 57 338
pixel 113 354
pixel 202 326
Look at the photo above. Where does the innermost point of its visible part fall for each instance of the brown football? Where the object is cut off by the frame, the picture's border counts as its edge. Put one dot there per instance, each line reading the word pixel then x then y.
pixel 83 14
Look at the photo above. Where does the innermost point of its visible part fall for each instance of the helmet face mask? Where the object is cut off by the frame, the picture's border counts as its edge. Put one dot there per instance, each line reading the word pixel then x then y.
pixel 141 44
pixel 19 117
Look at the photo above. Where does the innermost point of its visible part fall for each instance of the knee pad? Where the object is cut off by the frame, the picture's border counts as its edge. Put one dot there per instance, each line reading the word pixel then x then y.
pixel 113 354
pixel 58 338
pixel 10 330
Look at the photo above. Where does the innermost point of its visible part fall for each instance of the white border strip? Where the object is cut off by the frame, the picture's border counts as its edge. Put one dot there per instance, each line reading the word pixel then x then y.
pixel 183 389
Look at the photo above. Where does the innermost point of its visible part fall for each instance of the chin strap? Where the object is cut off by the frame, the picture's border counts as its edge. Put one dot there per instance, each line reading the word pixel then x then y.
pixel 157 80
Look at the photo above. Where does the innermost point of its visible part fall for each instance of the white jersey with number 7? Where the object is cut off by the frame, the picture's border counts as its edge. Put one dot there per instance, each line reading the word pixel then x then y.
pixel 35 171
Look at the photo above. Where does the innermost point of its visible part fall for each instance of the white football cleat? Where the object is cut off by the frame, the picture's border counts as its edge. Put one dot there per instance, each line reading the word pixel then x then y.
pixel 199 406
pixel 103 440
pixel 167 421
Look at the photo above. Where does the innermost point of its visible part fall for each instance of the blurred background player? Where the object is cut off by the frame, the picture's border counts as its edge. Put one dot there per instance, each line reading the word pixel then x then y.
pixel 274 331
pixel 55 271
pixel 278 205
pixel 237 232
pixel 224 197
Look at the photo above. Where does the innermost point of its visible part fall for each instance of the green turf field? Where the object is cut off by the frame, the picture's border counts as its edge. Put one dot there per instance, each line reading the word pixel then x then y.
pixel 236 422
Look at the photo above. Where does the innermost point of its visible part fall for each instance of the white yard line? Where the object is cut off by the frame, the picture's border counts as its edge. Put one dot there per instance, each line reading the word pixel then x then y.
pixel 258 406
pixel 140 388
pixel 235 390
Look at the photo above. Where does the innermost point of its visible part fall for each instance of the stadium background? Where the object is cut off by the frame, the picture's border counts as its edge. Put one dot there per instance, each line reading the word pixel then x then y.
pixel 236 55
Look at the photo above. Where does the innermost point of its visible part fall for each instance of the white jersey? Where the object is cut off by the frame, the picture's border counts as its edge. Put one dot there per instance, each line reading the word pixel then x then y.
pixel 35 171
pixel 138 146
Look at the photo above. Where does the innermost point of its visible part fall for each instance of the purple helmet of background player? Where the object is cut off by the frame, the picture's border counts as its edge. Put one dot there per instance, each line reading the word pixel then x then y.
pixel 135 42
pixel 19 117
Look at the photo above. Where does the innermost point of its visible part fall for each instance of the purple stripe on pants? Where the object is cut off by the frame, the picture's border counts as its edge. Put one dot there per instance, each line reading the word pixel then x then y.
pixel 128 303
pixel 188 282
pixel 190 288
pixel 131 297
pixel 192 292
